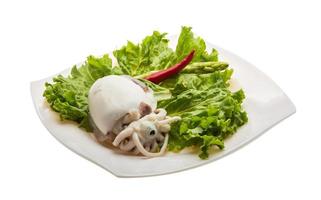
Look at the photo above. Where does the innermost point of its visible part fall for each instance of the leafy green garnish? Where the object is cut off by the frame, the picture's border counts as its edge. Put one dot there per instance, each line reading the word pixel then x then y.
pixel 210 111
pixel 150 55
pixel 68 95
pixel 187 42
pixel 200 94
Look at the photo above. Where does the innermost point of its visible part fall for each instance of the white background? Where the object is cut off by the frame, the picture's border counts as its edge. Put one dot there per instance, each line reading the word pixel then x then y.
pixel 40 38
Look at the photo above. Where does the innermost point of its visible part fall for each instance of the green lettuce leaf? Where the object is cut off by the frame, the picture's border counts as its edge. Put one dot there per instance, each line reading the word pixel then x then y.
pixel 68 95
pixel 151 54
pixel 187 42
pixel 210 111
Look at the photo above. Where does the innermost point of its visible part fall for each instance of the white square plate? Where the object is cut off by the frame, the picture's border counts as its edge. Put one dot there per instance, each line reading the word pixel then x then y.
pixel 265 103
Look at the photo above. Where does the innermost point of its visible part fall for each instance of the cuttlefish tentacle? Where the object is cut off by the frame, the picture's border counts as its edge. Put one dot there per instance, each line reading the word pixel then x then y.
pixel 163 128
pixel 164 125
pixel 123 135
pixel 160 113
pixel 127 145
pixel 169 120
pixel 148 135
pixel 143 151
pixel 132 115
pixel 135 151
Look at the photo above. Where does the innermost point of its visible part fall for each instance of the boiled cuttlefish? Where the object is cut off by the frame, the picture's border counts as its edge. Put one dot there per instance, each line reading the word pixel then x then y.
pixel 124 111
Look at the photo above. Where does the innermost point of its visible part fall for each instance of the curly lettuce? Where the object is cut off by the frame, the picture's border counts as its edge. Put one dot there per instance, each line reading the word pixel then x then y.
pixel 210 112
pixel 151 54
pixel 68 95
pixel 187 42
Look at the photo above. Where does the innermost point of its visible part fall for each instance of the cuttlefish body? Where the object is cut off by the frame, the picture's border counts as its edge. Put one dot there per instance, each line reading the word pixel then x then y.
pixel 123 111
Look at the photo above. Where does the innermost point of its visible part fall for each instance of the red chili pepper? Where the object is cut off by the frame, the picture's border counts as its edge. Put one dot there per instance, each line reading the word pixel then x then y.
pixel 158 77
